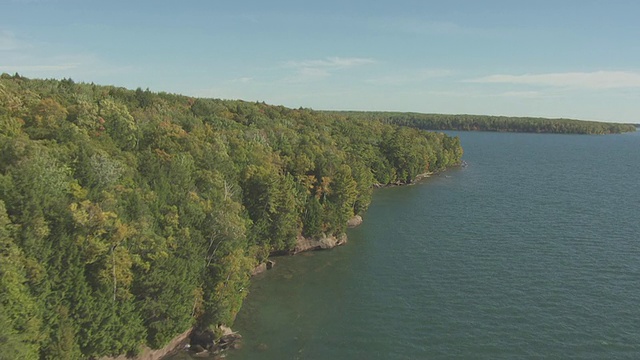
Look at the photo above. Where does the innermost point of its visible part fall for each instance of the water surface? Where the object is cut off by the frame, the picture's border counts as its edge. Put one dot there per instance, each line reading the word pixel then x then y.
pixel 531 251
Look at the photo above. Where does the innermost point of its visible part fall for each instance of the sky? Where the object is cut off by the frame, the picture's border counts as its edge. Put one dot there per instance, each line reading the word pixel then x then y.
pixel 560 59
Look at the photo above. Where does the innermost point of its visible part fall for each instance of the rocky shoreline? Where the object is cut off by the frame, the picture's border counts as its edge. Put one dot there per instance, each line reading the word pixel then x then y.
pixel 418 178
pixel 179 342
pixel 208 342
pixel 204 343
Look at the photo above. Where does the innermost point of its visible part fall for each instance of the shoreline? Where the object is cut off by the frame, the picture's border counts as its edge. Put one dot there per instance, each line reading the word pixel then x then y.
pixel 302 245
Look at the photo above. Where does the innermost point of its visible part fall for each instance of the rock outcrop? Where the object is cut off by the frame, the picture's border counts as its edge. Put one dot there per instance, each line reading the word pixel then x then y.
pixel 354 221
pixel 322 243
pixel 203 342
pixel 178 343
pixel 262 267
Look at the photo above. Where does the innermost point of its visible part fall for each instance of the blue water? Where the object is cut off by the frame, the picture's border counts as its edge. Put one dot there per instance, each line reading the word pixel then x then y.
pixel 532 251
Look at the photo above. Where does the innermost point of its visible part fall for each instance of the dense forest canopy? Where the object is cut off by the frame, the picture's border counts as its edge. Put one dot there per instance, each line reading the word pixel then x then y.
pixel 489 123
pixel 127 217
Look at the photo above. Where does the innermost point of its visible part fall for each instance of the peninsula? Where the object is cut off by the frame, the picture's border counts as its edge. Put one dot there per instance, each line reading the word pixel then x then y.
pixel 129 217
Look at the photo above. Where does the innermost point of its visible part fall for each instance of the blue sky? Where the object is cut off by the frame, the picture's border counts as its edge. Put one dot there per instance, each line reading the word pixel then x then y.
pixel 562 58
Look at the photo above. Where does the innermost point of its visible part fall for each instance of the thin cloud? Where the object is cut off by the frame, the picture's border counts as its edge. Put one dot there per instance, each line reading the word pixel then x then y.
pixel 20 56
pixel 30 58
pixel 580 80
pixel 309 74
pixel 80 67
pixel 243 80
pixel 29 62
pixel 523 94
pixel 314 70
pixel 409 78
pixel 330 62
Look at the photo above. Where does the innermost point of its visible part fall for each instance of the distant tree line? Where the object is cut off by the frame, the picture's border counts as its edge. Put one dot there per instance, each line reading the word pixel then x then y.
pixel 490 123
pixel 127 217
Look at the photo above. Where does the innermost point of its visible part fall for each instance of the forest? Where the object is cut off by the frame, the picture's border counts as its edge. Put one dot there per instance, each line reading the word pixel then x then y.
pixel 129 216
pixel 489 123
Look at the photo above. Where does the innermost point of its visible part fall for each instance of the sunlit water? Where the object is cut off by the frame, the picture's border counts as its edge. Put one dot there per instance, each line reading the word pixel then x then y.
pixel 532 251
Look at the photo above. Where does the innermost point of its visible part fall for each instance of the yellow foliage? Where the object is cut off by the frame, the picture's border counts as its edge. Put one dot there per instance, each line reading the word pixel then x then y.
pixel 308 182
pixel 117 272
pixel 323 188
pixel 198 302
pixel 121 232
pixel 49 113
pixel 78 191
pixel 163 155
pixel 172 130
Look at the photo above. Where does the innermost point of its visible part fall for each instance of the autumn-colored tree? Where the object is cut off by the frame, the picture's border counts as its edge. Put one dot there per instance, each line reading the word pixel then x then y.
pixel 127 217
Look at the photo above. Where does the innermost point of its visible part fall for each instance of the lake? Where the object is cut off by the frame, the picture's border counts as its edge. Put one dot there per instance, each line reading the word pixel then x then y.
pixel 531 251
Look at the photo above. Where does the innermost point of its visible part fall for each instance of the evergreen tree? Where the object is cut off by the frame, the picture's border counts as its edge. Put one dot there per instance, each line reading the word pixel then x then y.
pixel 127 217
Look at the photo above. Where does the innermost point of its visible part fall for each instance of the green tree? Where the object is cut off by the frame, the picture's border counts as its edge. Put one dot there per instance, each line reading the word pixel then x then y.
pixel 20 319
pixel 119 124
pixel 127 217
